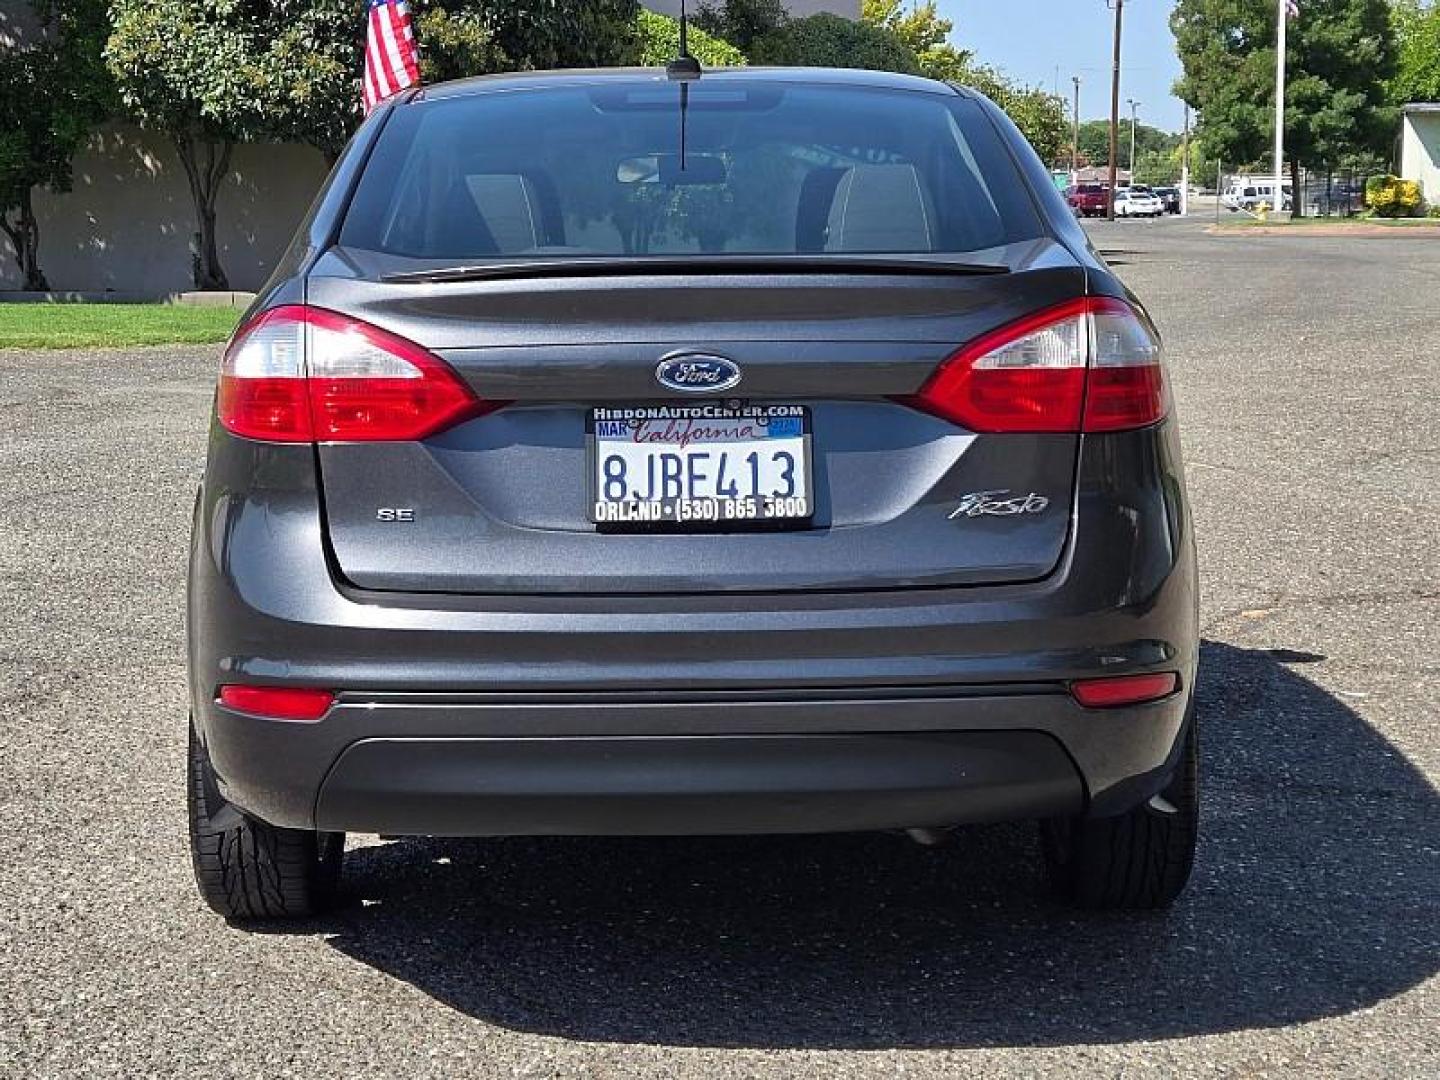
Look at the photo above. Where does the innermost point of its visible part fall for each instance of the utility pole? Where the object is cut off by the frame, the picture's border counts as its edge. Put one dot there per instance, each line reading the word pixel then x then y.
pixel 1075 133
pixel 1133 106
pixel 1115 110
pixel 1185 167
pixel 1282 18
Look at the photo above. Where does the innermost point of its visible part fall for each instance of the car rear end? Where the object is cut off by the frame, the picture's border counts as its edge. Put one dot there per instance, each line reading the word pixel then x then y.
pixel 1089 200
pixel 766 453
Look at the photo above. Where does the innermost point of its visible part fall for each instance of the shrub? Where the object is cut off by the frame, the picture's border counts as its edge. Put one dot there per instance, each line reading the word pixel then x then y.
pixel 659 43
pixel 1392 197
pixel 829 41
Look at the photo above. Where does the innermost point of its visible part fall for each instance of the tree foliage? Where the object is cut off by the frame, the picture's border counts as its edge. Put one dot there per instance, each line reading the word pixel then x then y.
pixel 1339 56
pixel 1417 67
pixel 53 92
pixel 826 40
pixel 1039 116
pixel 923 31
pixel 741 22
pixel 478 37
pixel 1095 141
pixel 659 43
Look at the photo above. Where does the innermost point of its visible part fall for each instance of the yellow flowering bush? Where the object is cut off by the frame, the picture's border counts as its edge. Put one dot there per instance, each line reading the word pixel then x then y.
pixel 1390 196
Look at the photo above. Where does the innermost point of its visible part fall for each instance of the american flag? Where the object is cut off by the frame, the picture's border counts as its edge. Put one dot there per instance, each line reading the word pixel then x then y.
pixel 391 60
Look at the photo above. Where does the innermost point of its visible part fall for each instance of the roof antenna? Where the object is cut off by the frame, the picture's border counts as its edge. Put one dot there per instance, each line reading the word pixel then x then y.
pixel 684 68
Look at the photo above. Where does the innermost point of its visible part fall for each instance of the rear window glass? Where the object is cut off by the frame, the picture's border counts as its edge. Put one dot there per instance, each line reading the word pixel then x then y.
pixel 743 168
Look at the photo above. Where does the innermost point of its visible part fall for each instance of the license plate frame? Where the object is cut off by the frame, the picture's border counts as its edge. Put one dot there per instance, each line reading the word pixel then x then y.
pixel 667 515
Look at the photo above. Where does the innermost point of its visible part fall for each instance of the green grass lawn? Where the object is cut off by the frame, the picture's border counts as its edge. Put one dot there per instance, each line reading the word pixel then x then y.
pixel 66 326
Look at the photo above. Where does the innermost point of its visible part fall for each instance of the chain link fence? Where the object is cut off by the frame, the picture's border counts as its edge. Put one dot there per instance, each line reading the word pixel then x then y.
pixel 1336 193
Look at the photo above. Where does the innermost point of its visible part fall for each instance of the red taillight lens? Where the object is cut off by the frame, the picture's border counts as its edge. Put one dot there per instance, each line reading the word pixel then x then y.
pixel 304 374
pixel 1086 365
pixel 1124 689
pixel 278 702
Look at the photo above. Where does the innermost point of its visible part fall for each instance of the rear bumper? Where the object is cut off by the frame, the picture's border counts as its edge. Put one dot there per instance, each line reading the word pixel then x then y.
pixel 693 785
pixel 478 764
pixel 446 688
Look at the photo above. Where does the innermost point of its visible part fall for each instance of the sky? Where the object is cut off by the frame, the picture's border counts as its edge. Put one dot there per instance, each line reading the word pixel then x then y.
pixel 1028 39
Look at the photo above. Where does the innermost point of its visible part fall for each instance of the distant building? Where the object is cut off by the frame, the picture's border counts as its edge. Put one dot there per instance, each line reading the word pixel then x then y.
pixel 127 226
pixel 1100 174
pixel 1420 148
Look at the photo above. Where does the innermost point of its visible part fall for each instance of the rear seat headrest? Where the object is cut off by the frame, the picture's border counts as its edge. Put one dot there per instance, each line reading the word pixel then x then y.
pixel 880 208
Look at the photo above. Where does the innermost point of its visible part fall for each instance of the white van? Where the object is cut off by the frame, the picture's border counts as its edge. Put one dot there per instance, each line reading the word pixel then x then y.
pixel 1247 193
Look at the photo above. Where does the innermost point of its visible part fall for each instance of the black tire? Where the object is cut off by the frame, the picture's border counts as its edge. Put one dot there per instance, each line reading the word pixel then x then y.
pixel 1141 859
pixel 248 870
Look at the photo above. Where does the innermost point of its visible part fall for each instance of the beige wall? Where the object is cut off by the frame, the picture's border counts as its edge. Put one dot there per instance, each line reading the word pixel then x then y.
pixel 1420 152
pixel 127 224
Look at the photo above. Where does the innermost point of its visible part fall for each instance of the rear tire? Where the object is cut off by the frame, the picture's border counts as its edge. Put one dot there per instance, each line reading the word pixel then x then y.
pixel 1141 859
pixel 249 870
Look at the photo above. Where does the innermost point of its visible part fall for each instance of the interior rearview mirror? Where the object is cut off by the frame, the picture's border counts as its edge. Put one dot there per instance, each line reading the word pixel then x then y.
pixel 669 170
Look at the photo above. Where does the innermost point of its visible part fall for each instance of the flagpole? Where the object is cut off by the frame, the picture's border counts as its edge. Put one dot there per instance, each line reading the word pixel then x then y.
pixel 1282 17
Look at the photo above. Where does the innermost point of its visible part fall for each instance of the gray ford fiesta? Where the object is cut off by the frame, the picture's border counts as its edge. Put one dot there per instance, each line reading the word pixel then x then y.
pixel 623 453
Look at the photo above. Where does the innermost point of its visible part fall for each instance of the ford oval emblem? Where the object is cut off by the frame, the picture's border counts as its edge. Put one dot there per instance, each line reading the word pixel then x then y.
pixel 697 373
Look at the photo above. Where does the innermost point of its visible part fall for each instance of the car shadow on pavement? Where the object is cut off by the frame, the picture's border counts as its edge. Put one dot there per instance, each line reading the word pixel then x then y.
pixel 1315 894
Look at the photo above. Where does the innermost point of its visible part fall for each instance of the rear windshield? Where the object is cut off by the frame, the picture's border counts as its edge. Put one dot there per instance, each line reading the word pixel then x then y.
pixel 753 168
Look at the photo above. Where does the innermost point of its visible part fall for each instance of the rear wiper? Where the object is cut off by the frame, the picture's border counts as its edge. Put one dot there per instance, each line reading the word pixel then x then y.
pixel 695 264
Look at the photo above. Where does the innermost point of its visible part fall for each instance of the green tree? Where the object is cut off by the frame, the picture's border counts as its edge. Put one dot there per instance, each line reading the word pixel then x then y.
pixel 1095 141
pixel 210 73
pixel 924 32
pixel 459 38
pixel 660 43
pixel 52 94
pixel 1417 67
pixel 1040 116
pixel 307 75
pixel 741 22
pixel 1340 55
pixel 827 40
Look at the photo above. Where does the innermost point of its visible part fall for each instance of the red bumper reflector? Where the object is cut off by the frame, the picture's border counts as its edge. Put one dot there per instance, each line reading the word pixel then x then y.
pixel 1124 689
pixel 278 702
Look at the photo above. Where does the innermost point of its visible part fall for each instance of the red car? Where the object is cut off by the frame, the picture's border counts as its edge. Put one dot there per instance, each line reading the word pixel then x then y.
pixel 1088 200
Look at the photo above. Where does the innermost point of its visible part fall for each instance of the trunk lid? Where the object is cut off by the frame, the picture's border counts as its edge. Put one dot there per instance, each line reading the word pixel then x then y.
pixel 502 503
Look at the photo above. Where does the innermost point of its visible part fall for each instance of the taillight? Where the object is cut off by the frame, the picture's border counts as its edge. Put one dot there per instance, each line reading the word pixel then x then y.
pixel 278 702
pixel 304 374
pixel 1086 365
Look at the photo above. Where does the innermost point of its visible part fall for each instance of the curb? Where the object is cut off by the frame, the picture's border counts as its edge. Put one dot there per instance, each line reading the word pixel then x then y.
pixel 234 298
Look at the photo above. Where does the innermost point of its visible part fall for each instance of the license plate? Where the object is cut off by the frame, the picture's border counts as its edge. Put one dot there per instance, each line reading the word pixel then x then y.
pixel 702 464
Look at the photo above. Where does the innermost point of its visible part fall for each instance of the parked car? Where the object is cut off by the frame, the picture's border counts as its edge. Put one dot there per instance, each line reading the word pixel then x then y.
pixel 1169 199
pixel 763 452
pixel 1137 202
pixel 1249 194
pixel 1089 200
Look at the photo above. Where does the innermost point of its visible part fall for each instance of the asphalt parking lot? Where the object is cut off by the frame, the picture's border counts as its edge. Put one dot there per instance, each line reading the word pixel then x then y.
pixel 1306 372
